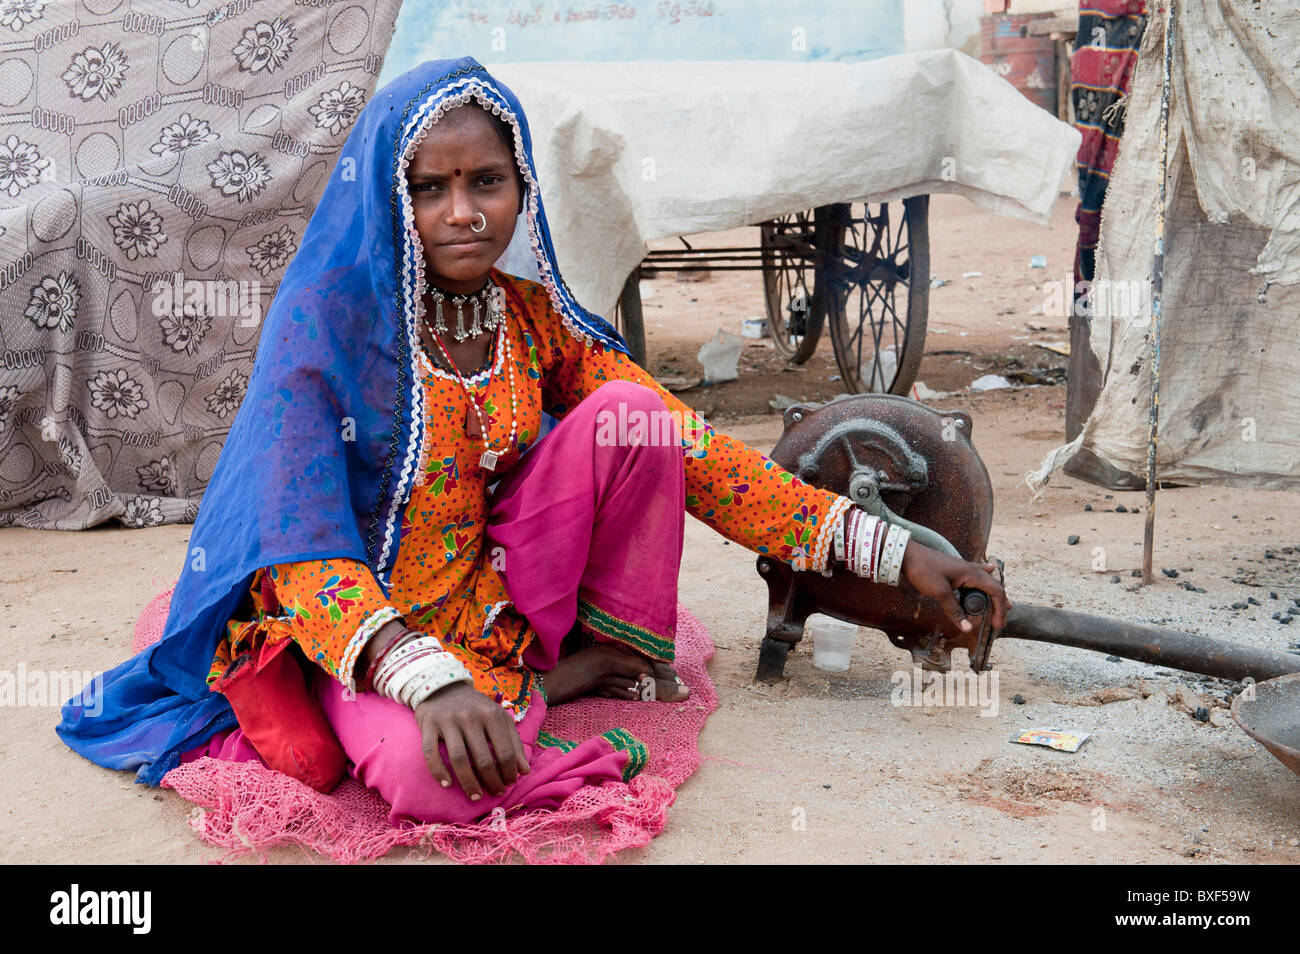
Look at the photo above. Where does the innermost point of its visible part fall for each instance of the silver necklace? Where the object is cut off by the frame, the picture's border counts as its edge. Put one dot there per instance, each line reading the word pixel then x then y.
pixel 487 307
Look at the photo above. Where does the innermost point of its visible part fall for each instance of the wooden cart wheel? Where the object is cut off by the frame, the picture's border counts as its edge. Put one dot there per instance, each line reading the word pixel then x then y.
pixel 878 295
pixel 796 309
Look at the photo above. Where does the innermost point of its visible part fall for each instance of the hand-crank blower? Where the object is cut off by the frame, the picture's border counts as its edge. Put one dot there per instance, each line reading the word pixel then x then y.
pixel 911 464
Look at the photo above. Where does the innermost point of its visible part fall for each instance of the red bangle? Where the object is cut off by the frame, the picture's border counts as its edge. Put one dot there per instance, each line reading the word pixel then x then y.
pixel 388 648
pixel 877 544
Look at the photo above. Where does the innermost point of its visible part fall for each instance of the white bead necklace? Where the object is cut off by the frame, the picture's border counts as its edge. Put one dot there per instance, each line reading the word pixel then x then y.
pixel 488 459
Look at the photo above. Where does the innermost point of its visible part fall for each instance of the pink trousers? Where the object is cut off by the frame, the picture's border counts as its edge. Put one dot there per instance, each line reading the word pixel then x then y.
pixel 592 530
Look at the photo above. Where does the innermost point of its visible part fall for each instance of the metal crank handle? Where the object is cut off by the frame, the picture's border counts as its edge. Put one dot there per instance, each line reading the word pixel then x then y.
pixel 973 602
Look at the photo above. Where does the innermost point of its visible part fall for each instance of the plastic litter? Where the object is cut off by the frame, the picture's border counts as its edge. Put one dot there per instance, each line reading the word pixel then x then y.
pixel 922 393
pixel 1053 738
pixel 721 357
pixel 879 379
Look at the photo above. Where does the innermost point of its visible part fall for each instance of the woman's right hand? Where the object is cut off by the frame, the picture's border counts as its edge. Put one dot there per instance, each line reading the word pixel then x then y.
pixel 483 745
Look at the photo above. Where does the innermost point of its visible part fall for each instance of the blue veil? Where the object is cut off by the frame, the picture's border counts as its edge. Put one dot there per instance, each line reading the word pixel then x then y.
pixel 321 454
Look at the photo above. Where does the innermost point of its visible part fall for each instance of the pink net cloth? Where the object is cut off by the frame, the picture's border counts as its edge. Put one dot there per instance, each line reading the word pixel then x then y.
pixel 249 807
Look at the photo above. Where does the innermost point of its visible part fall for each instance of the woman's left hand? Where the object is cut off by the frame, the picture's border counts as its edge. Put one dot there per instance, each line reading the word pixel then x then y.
pixel 937 575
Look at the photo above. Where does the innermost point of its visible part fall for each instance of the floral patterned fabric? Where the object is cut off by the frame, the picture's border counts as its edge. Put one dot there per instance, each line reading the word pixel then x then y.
pixel 158 164
pixel 445 583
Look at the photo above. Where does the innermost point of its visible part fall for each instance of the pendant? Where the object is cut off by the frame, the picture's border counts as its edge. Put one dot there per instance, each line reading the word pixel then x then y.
pixel 489 460
pixel 472 428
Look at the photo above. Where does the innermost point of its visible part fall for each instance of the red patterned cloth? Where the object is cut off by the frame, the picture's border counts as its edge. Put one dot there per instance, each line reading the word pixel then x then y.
pixel 1110 32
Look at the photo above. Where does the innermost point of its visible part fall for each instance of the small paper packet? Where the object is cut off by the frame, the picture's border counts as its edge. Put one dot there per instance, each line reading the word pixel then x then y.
pixel 1053 739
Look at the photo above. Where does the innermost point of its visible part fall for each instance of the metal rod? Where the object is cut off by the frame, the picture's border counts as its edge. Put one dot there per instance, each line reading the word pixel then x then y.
pixel 1144 642
pixel 1157 292
pixel 652 268
pixel 755 249
pixel 658 260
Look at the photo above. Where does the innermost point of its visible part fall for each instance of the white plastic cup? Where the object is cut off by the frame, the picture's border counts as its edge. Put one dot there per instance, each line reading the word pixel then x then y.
pixel 832 642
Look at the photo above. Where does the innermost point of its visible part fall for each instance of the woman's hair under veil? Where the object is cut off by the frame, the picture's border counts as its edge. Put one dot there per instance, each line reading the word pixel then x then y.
pixel 323 450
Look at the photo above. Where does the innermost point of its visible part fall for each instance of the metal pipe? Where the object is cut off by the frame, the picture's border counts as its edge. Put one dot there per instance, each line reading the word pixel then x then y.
pixel 1144 642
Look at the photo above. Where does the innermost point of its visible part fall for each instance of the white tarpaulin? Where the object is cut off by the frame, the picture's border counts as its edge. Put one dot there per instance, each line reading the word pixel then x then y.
pixel 1229 391
pixel 630 152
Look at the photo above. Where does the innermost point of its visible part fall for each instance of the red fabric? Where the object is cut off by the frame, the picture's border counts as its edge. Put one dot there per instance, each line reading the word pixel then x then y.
pixel 280 716
pixel 1101 69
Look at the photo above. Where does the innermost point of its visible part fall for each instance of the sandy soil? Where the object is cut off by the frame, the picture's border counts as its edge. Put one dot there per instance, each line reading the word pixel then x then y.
pixel 823 767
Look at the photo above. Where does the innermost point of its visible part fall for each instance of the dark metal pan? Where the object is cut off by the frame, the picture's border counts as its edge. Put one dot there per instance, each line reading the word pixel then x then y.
pixel 1272 717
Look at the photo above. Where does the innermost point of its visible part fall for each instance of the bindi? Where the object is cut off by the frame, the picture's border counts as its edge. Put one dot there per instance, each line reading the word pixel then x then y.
pixel 457 172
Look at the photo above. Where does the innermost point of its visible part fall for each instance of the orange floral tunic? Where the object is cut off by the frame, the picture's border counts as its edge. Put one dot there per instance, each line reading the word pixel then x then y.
pixel 443 582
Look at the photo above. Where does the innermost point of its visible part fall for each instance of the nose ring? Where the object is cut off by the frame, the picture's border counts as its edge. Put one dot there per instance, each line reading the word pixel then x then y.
pixel 481 227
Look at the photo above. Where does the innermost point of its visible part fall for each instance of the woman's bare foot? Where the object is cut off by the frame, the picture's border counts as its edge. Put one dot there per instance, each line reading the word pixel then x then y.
pixel 613 672
pixel 668 685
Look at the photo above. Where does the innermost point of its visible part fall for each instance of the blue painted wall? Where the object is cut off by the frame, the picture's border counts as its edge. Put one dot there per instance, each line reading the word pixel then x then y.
pixel 518 30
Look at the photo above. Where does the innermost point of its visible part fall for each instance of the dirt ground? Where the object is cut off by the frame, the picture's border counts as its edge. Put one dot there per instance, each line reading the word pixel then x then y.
pixel 823 767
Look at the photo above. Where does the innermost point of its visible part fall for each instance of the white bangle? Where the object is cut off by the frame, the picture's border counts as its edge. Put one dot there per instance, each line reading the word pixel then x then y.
pixel 861 550
pixel 891 550
pixel 441 673
pixel 851 535
pixel 866 537
pixel 902 552
pixel 866 533
pixel 434 675
pixel 886 551
pixel 872 569
pixel 400 676
pixel 392 663
pixel 901 536
pixel 416 669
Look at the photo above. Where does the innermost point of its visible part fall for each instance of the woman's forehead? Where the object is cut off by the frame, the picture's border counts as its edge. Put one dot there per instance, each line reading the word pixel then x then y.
pixel 466 128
